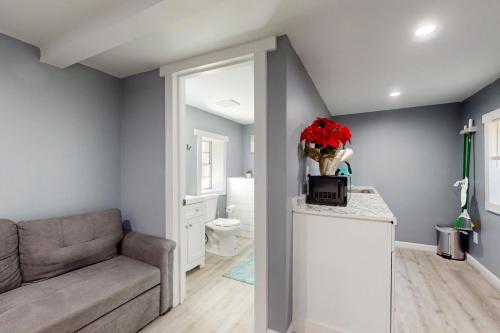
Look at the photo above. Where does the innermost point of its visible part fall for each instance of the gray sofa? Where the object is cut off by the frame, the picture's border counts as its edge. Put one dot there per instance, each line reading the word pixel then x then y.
pixel 81 274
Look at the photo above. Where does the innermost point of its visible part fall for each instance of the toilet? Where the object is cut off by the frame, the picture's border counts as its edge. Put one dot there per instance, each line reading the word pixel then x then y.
pixel 221 233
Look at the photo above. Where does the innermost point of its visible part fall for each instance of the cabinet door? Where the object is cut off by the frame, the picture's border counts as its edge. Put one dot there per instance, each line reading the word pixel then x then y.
pixel 195 229
pixel 342 274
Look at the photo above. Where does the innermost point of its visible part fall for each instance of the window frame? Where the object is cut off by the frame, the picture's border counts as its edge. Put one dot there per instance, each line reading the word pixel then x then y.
pixel 488 120
pixel 209 164
pixel 218 158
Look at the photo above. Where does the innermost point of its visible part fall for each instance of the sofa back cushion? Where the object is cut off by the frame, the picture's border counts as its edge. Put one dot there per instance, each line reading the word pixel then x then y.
pixel 51 247
pixel 10 273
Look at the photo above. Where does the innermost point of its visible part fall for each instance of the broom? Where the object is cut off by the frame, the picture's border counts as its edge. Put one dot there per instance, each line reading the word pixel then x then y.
pixel 463 221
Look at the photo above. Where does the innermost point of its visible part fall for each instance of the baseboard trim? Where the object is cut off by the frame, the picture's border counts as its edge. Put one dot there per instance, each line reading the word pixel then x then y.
pixel 416 246
pixel 290 329
pixel 486 273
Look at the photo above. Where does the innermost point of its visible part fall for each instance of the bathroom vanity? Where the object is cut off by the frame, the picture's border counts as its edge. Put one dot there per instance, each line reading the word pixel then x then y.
pixel 343 265
pixel 205 232
pixel 195 217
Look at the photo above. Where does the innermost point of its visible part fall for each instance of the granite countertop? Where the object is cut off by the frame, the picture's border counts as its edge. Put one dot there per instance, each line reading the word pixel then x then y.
pixel 365 206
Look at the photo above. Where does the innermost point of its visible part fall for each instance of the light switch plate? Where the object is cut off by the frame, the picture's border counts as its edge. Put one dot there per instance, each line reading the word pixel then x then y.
pixel 475 237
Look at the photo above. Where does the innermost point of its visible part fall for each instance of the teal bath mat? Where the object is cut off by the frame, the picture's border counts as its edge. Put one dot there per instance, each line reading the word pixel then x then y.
pixel 243 271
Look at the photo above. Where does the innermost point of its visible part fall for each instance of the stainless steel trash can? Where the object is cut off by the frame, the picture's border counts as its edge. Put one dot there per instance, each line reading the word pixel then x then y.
pixel 451 243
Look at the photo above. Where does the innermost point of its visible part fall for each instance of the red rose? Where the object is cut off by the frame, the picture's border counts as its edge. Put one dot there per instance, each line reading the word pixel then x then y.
pixel 345 134
pixel 325 133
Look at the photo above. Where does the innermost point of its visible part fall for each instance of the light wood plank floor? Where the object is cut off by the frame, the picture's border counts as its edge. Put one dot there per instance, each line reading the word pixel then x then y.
pixel 432 295
pixel 213 303
pixel 435 295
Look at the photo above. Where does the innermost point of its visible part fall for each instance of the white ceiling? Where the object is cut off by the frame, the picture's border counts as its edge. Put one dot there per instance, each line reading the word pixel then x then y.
pixel 40 22
pixel 234 83
pixel 355 51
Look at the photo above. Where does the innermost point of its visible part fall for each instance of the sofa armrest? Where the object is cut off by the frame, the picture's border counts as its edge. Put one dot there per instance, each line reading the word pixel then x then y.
pixel 158 252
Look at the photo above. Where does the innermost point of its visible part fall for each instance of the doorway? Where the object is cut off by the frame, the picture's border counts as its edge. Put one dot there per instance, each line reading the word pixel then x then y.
pixel 175 84
pixel 217 219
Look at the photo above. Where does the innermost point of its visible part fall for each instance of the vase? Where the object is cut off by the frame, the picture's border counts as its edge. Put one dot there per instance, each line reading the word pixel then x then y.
pixel 328 164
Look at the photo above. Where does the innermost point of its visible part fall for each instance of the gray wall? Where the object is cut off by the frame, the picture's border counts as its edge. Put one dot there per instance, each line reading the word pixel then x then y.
pixel 143 153
pixel 419 191
pixel 293 102
pixel 488 249
pixel 279 300
pixel 77 140
pixel 248 157
pixel 59 136
pixel 413 157
pixel 205 121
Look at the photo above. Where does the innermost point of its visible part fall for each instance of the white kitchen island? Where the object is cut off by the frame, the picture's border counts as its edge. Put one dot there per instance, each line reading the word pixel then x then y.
pixel 343 265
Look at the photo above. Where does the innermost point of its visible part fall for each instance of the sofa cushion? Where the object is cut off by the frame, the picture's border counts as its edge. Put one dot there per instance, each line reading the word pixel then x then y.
pixel 130 317
pixel 54 246
pixel 10 273
pixel 71 301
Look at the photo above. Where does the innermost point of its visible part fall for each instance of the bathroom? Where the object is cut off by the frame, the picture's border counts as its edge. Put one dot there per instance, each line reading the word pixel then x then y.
pixel 219 184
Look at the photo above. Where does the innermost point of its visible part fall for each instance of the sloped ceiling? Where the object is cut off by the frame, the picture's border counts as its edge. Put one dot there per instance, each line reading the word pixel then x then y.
pixel 356 52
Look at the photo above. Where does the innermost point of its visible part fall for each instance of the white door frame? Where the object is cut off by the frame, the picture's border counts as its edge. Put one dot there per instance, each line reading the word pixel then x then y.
pixel 174 74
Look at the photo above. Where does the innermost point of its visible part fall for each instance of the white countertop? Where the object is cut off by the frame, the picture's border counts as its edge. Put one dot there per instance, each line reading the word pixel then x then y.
pixel 193 199
pixel 365 206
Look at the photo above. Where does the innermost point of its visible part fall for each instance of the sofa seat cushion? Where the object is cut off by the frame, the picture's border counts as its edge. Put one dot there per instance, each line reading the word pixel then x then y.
pixel 51 247
pixel 69 302
pixel 10 273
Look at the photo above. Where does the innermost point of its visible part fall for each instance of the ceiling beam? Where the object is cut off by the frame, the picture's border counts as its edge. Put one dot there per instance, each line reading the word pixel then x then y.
pixel 123 24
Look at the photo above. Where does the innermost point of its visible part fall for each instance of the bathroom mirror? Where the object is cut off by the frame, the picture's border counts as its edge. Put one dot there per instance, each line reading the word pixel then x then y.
pixel 491 123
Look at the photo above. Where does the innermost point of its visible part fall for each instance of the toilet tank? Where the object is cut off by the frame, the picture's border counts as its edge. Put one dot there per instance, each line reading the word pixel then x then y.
pixel 211 206
pixel 240 193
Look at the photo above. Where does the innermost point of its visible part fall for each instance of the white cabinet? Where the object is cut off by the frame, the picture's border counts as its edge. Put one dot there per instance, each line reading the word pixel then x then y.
pixel 195 218
pixel 342 272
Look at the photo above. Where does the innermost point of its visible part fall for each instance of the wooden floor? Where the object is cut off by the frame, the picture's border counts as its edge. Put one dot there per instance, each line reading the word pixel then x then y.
pixel 438 295
pixel 213 303
pixel 432 295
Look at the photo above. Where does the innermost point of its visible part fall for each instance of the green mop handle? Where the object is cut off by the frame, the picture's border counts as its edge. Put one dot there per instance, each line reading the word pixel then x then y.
pixel 466 162
pixel 467 132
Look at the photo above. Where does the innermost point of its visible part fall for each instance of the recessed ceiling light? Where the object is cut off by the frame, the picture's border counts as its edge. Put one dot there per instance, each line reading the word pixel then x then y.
pixel 425 30
pixel 395 94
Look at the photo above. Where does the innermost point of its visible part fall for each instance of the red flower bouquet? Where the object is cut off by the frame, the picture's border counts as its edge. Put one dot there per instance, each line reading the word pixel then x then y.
pixel 325 142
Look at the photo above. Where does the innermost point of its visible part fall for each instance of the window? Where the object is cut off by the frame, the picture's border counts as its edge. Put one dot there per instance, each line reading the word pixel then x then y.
pixel 211 162
pixel 492 160
pixel 206 164
pixel 252 144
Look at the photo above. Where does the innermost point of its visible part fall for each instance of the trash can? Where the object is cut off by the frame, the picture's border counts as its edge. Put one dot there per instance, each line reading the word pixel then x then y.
pixel 451 243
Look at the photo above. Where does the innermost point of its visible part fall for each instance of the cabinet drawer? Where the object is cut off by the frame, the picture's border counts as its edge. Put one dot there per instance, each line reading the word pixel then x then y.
pixel 195 220
pixel 195 210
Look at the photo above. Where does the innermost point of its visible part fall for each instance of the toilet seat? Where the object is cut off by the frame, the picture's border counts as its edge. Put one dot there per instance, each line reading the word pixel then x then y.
pixel 226 223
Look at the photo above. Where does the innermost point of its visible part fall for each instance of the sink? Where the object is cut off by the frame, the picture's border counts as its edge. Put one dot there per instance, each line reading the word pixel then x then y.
pixel 363 190
pixel 191 199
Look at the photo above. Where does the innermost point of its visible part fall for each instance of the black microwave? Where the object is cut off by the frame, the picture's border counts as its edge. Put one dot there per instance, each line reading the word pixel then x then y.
pixel 328 190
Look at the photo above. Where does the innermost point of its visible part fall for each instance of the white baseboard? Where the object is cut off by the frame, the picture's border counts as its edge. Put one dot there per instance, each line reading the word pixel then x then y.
pixel 416 246
pixel 290 329
pixel 307 325
pixel 488 275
